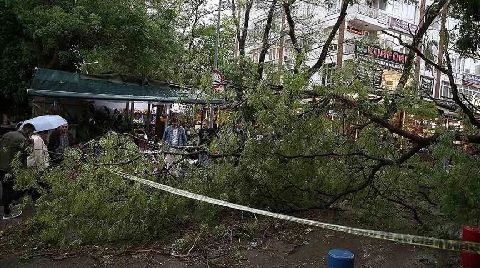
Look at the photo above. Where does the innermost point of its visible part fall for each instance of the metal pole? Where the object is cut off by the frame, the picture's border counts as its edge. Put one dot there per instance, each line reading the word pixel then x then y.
pixel 217 41
pixel 215 59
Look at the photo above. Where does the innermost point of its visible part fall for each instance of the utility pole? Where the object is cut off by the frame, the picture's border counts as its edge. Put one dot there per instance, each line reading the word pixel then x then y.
pixel 217 41
pixel 215 60
pixel 442 46
pixel 281 50
pixel 417 60
pixel 341 39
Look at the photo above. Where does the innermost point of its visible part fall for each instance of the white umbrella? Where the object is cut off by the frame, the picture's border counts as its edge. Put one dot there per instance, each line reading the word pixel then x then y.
pixel 45 122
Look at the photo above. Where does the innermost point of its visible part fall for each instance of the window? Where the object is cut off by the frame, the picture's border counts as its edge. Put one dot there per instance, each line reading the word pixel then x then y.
pixel 446 91
pixel 332 5
pixel 274 54
pixel 327 73
pixel 382 4
pixel 397 7
pixel 333 47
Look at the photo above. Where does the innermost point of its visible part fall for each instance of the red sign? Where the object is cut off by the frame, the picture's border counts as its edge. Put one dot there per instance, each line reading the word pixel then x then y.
pixel 355 30
pixel 218 80
pixel 381 53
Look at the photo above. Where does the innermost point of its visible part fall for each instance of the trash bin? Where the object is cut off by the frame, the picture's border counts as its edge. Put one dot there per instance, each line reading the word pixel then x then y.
pixel 340 258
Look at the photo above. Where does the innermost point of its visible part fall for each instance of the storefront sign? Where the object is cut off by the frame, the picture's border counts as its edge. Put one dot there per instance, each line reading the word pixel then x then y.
pixel 471 80
pixel 355 30
pixel 402 26
pixel 382 54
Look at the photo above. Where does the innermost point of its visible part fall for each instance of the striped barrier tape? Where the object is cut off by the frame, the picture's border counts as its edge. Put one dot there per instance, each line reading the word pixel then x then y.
pixel 431 242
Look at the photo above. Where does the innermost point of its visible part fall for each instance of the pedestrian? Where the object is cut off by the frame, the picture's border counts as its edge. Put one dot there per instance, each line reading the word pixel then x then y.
pixel 11 144
pixel 205 137
pixel 60 139
pixel 174 137
pixel 39 157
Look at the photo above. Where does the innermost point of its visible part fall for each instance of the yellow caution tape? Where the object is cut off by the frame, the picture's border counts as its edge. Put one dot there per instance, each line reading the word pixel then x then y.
pixel 431 242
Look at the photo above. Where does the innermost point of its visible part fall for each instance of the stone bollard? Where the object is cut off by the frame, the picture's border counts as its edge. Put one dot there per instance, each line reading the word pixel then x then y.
pixel 340 258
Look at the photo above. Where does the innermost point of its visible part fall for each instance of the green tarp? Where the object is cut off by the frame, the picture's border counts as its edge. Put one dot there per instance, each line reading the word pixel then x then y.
pixel 60 84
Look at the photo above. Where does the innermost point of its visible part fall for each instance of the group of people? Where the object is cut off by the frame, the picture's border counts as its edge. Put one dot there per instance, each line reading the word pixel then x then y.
pixel 36 149
pixel 175 137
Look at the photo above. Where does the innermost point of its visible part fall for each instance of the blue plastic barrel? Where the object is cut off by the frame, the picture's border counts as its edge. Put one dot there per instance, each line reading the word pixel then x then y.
pixel 340 258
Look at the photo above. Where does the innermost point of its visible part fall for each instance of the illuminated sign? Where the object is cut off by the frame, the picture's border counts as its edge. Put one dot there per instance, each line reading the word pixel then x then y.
pixel 380 53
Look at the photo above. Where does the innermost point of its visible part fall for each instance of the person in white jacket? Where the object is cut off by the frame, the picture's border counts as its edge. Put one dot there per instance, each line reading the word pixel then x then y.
pixel 39 157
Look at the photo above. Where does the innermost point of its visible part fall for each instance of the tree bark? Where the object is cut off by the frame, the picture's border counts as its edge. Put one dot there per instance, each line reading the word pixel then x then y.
pixel 324 53
pixel 265 43
pixel 441 49
pixel 236 21
pixel 432 13
pixel 293 37
pixel 417 60
pixel 243 37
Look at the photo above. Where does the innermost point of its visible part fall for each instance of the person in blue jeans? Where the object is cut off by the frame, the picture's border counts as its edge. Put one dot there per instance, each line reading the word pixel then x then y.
pixel 174 137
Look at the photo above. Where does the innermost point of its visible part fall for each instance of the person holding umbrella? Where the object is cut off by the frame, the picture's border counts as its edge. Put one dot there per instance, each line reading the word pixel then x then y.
pixel 11 144
pixel 39 157
pixel 59 139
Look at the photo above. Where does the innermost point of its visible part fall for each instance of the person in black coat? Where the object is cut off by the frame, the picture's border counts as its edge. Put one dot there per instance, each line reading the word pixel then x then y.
pixel 60 139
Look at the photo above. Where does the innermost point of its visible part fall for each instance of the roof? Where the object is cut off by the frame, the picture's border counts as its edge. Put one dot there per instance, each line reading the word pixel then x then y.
pixel 61 84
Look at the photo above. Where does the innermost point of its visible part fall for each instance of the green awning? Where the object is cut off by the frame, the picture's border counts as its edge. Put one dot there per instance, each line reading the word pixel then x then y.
pixel 60 84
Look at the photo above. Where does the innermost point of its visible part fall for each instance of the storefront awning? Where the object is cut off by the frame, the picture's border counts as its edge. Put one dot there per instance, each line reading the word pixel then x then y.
pixel 60 84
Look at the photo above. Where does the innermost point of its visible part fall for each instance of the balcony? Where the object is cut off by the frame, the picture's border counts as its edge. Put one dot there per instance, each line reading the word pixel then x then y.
pixel 361 16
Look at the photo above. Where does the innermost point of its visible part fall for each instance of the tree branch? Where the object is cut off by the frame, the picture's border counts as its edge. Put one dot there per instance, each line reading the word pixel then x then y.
pixel 326 46
pixel 333 154
pixel 433 11
pixel 265 44
pixel 384 123
pixel 470 114
pixel 243 37
pixel 293 37
pixel 236 21
pixel 417 51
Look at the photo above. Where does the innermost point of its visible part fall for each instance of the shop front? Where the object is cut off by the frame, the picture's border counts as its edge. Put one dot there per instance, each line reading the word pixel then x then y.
pixel 95 103
pixel 386 65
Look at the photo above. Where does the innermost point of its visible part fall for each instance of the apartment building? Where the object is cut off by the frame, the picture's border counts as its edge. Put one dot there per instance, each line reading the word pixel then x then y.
pixel 366 36
pixel 372 21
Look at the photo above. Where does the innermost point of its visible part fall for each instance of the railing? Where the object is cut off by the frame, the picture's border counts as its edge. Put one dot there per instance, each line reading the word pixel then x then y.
pixel 364 10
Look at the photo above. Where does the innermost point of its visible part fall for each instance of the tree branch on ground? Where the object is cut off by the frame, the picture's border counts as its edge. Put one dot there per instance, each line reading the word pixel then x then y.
pixel 384 123
pixel 401 202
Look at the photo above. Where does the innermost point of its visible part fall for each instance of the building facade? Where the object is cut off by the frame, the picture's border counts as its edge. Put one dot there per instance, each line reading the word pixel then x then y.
pixel 366 36
pixel 367 32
